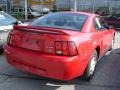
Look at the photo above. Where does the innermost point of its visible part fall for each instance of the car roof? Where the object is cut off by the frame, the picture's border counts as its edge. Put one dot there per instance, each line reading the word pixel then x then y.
pixel 2 12
pixel 85 13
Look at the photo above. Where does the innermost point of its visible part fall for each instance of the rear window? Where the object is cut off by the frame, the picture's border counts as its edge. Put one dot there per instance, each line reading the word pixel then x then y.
pixel 69 21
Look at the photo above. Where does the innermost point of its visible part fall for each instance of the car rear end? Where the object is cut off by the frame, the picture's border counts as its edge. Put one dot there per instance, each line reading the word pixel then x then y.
pixel 45 53
pixel 48 47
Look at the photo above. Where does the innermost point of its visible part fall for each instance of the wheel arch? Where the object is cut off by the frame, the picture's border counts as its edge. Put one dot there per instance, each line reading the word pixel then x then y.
pixel 98 51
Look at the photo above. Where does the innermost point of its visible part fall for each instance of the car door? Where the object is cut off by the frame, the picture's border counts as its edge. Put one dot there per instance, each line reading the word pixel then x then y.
pixel 102 33
pixel 108 31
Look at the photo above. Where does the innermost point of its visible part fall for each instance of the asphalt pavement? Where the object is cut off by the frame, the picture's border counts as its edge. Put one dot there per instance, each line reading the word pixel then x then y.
pixel 106 77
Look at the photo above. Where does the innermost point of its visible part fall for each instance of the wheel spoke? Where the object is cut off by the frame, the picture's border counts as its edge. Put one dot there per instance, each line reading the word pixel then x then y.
pixel 92 65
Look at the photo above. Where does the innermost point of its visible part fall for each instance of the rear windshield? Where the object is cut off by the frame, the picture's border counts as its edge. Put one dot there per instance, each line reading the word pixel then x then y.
pixel 69 21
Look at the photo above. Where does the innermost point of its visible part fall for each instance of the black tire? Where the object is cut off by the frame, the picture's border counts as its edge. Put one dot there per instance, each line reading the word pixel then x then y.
pixel 1 49
pixel 90 69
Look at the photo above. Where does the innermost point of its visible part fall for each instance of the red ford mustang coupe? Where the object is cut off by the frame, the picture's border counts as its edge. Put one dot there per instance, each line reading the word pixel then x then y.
pixel 61 45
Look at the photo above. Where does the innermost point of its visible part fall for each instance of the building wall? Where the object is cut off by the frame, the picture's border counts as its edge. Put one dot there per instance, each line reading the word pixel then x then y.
pixel 69 4
pixel 83 4
pixel 43 2
pixel 32 2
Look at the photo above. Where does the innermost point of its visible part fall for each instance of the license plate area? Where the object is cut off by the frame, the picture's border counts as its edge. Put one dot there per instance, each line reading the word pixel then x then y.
pixel 32 41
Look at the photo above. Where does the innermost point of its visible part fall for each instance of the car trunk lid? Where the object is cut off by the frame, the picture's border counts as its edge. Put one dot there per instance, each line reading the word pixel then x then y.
pixel 43 40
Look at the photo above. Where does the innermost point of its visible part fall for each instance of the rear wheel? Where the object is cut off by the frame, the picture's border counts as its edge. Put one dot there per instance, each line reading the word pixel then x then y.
pixel 91 66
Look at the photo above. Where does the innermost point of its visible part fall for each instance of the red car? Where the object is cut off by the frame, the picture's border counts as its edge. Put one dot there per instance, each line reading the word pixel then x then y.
pixel 62 45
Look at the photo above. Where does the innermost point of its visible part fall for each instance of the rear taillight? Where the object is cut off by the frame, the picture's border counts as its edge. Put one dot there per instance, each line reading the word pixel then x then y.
pixel 8 38
pixel 72 48
pixel 37 43
pixel 67 48
pixel 14 39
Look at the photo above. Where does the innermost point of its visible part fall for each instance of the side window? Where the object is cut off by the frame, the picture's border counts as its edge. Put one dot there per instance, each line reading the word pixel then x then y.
pixel 99 23
pixel 103 23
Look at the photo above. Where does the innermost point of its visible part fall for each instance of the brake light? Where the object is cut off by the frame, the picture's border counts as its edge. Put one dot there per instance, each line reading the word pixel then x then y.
pixel 67 48
pixel 14 39
pixel 72 48
pixel 58 48
pixel 8 38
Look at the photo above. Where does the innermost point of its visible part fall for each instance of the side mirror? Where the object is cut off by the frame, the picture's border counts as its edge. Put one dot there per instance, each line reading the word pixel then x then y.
pixel 111 27
pixel 106 26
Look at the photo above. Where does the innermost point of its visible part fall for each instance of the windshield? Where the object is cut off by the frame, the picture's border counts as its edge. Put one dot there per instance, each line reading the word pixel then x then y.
pixel 6 19
pixel 69 21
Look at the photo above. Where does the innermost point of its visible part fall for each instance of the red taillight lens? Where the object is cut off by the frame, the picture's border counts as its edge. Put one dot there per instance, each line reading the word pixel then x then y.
pixel 72 48
pixel 8 38
pixel 14 39
pixel 67 48
pixel 58 48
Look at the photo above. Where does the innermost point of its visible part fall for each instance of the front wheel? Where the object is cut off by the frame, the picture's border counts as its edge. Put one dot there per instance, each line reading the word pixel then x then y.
pixel 91 66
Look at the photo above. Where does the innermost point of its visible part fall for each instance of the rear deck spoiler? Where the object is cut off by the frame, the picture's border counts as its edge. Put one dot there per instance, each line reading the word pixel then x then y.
pixel 39 29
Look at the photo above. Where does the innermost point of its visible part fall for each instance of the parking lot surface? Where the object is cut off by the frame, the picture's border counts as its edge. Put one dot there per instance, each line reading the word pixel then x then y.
pixel 106 77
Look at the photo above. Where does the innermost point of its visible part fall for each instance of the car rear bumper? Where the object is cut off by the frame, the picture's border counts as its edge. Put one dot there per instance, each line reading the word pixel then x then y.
pixel 51 66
